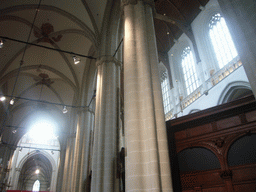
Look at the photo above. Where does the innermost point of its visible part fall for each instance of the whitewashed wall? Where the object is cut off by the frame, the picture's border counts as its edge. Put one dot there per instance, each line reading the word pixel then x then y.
pixel 200 27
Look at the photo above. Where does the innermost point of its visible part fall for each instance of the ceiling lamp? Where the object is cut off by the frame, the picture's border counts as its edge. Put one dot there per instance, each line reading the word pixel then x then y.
pixel 64 110
pixel 14 131
pixel 12 102
pixel 76 60
pixel 37 171
pixel 2 98
pixel 1 43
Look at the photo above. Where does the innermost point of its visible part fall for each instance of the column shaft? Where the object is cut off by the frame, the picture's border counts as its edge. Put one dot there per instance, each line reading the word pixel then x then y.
pixel 105 141
pixel 67 175
pixel 80 163
pixel 61 166
pixel 147 161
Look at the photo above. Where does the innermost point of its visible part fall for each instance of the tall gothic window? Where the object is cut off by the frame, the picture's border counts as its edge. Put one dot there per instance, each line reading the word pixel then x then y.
pixel 36 186
pixel 165 92
pixel 189 70
pixel 221 39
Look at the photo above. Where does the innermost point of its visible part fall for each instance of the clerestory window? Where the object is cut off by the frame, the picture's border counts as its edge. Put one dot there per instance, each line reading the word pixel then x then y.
pixel 189 70
pixel 222 42
pixel 165 92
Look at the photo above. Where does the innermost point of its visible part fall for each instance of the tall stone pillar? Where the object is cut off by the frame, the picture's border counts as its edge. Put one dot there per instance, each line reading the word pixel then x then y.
pixel 80 163
pixel 67 174
pixel 147 160
pixel 5 167
pixel 240 18
pixel 104 165
pixel 61 165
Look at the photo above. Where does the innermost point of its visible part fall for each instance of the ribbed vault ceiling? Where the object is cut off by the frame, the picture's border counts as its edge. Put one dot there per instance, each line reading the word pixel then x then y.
pixel 74 26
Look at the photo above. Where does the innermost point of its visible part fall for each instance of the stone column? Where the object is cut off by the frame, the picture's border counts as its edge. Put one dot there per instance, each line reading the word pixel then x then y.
pixel 147 160
pixel 13 173
pixel 240 18
pixel 8 152
pixel 53 180
pixel 80 163
pixel 104 165
pixel 67 175
pixel 16 178
pixel 61 166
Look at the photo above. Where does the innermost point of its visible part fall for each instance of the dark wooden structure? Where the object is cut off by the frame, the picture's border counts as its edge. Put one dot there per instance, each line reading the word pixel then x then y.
pixel 215 150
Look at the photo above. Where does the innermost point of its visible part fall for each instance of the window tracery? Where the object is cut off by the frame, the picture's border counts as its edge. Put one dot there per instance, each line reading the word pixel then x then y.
pixel 189 70
pixel 222 42
pixel 165 92
pixel 36 186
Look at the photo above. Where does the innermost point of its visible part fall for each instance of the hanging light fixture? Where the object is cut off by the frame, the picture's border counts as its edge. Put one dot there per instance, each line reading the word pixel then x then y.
pixel 64 110
pixel 37 171
pixel 2 98
pixel 76 60
pixel 12 102
pixel 1 43
pixel 14 131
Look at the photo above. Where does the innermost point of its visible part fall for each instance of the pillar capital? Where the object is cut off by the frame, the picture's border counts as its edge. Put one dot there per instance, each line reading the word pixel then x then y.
pixel 85 109
pixel 134 2
pixel 107 59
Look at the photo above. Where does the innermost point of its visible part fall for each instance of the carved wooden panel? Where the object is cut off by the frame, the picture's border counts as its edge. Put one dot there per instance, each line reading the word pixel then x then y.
pixel 216 130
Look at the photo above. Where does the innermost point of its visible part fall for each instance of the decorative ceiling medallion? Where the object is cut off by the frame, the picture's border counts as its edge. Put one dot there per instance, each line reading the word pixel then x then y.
pixel 46 30
pixel 44 79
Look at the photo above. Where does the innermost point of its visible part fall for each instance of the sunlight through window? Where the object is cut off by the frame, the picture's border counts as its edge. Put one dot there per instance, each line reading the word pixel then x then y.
pixel 42 131
pixel 36 186
pixel 189 70
pixel 221 39
pixel 165 92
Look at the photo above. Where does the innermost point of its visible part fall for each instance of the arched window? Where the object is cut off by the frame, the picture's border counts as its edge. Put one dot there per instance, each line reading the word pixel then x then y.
pixel 222 42
pixel 165 92
pixel 36 186
pixel 189 70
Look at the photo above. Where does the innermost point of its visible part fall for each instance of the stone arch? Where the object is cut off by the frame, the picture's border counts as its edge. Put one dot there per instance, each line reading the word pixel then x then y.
pixel 234 91
pixel 47 159
pixel 24 159
pixel 194 111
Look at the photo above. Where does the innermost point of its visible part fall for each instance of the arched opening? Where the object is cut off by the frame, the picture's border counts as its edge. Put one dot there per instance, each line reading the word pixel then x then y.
pixel 36 186
pixel 234 91
pixel 197 159
pixel 36 168
pixel 165 86
pixel 37 155
pixel 242 151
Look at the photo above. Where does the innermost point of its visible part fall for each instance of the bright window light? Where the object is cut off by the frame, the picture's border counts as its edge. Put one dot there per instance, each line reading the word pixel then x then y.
pixel 165 92
pixel 221 39
pixel 189 70
pixel 42 131
pixel 36 186
pixel 37 171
